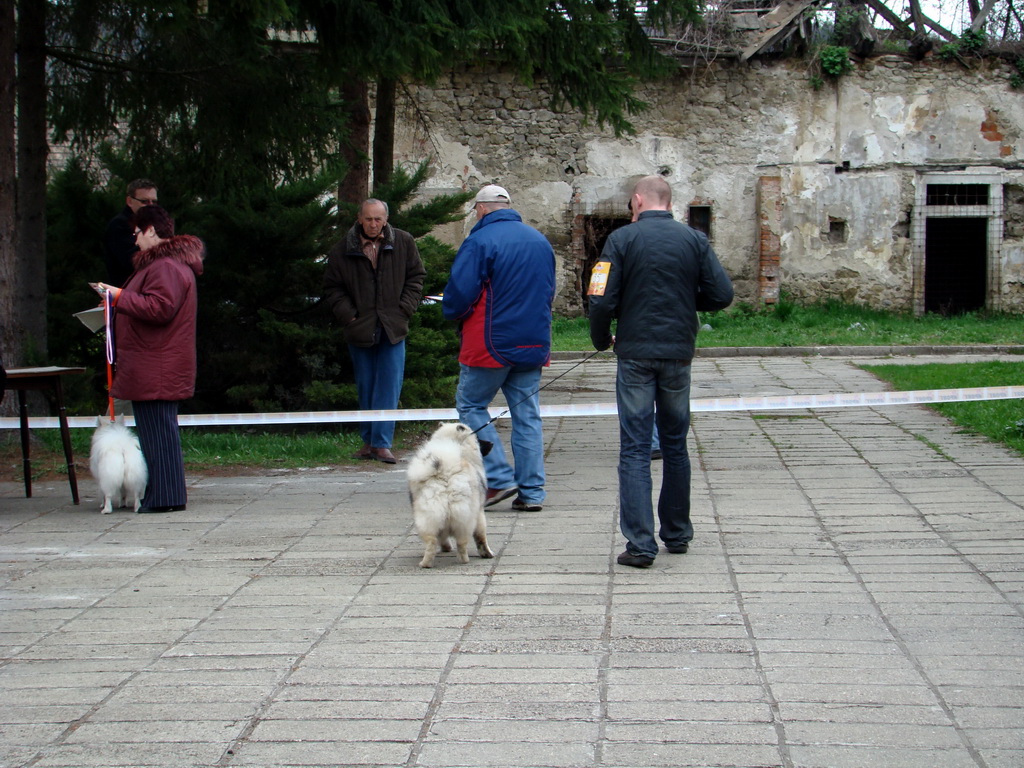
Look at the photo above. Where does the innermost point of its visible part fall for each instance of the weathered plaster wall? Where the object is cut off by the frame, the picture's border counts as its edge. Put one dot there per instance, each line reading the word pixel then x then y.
pixel 847 154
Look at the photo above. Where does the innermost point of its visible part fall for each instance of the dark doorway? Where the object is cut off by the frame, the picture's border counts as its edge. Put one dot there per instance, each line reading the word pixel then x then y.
pixel 699 217
pixel 955 255
pixel 595 231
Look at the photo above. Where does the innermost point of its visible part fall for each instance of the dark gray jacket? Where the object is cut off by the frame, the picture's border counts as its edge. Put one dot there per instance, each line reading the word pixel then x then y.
pixel 661 272
pixel 364 299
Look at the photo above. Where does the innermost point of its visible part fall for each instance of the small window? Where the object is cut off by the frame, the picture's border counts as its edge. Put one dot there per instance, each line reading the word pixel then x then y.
pixel 836 231
pixel 700 218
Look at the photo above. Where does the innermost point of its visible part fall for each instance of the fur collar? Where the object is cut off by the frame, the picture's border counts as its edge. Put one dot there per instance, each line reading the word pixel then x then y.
pixel 186 249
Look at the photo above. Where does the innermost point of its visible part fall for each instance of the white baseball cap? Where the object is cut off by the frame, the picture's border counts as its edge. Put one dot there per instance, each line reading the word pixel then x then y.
pixel 492 193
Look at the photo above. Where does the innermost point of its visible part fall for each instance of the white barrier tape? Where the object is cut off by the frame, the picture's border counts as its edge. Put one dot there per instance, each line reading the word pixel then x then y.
pixel 704 404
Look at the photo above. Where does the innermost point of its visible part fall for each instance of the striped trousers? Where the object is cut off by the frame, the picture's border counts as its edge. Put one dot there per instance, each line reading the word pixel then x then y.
pixel 156 421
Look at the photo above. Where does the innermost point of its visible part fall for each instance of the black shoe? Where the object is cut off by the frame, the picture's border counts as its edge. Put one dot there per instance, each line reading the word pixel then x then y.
pixel 678 549
pixel 636 561
pixel 151 510
pixel 526 506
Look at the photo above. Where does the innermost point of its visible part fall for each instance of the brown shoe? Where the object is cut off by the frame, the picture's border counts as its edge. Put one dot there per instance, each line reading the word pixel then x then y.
pixel 366 452
pixel 496 495
pixel 385 455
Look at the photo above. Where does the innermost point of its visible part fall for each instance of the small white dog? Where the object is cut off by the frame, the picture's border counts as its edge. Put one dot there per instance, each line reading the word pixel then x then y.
pixel 448 488
pixel 116 462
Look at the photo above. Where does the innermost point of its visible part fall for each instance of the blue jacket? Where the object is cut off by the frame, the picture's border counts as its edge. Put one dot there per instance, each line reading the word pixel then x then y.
pixel 501 288
pixel 660 272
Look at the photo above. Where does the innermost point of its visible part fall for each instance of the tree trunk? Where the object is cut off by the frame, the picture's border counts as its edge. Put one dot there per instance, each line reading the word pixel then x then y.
pixel 10 348
pixel 917 15
pixel 384 132
pixel 31 185
pixel 978 16
pixel 355 187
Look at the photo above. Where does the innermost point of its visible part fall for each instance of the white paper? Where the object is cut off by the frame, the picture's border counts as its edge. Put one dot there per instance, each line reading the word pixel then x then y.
pixel 92 318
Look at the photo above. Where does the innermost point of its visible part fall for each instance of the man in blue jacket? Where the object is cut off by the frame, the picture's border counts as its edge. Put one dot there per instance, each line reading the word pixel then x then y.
pixel 500 291
pixel 653 277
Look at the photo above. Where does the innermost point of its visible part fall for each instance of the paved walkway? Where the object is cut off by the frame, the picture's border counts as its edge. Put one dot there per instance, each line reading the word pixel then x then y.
pixel 854 597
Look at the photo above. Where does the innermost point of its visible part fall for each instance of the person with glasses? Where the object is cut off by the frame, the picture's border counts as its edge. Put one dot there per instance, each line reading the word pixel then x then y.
pixel 155 343
pixel 119 239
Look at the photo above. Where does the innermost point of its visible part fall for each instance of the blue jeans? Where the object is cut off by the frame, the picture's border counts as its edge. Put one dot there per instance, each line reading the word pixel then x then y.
pixel 379 371
pixel 639 385
pixel 477 387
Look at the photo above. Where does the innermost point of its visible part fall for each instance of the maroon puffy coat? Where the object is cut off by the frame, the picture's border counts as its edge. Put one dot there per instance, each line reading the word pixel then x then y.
pixel 155 323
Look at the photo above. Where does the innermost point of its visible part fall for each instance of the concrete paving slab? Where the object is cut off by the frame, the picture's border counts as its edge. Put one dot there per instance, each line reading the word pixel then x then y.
pixel 853 596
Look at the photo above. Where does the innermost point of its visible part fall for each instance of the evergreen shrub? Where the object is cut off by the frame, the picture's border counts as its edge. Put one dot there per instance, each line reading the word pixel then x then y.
pixel 266 341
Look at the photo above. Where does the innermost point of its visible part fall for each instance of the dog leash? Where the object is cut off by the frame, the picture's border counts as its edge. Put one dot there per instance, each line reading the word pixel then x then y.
pixel 108 321
pixel 571 368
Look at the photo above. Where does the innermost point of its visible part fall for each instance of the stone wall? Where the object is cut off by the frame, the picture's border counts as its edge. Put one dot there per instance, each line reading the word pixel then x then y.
pixel 848 160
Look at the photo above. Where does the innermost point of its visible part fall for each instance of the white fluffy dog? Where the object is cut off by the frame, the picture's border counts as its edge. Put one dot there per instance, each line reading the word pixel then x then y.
pixel 116 462
pixel 448 488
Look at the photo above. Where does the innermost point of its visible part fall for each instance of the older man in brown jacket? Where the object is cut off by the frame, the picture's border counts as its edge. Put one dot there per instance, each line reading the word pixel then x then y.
pixel 373 284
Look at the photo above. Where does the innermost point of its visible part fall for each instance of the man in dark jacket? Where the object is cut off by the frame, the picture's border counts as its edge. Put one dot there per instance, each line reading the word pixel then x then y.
pixel 653 277
pixel 119 238
pixel 500 291
pixel 373 284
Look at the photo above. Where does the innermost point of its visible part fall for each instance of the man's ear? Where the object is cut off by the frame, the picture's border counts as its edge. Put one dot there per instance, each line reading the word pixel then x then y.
pixel 485 447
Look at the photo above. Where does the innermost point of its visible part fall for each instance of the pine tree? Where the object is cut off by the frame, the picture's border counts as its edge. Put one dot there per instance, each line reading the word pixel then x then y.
pixel 240 112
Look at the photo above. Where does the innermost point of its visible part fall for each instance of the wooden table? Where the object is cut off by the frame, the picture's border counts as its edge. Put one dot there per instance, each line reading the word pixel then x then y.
pixel 47 379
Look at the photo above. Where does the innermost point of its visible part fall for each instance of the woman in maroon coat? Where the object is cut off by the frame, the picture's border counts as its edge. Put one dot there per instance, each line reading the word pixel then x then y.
pixel 155 346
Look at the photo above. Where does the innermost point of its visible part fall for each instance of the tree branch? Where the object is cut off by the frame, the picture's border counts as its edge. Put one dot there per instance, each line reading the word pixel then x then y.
pixel 897 23
pixel 98 62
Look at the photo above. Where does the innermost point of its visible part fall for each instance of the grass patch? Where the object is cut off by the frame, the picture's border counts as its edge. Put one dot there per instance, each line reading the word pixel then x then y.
pixel 269 449
pixel 207 449
pixel 999 420
pixel 284 448
pixel 828 323
pixel 570 334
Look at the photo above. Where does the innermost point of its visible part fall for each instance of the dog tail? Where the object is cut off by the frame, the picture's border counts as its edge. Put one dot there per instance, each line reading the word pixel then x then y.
pixel 442 461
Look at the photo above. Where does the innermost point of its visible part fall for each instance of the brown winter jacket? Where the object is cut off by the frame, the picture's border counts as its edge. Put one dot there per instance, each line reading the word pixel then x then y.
pixel 155 323
pixel 361 297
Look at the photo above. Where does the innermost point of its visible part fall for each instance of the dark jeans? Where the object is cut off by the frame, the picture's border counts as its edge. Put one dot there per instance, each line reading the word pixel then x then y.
pixel 639 385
